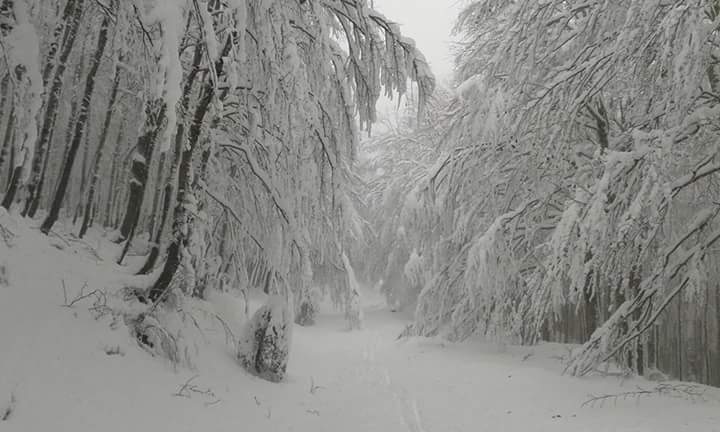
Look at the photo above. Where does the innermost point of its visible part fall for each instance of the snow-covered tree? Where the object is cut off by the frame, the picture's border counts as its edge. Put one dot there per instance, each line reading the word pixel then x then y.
pixel 227 129
pixel 575 198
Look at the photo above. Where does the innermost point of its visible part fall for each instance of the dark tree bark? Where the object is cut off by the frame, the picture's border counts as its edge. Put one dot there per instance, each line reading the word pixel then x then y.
pixel 79 128
pixel 180 214
pixel 155 251
pixel 179 141
pixel 12 187
pixel 8 138
pixel 155 112
pixel 12 160
pixel 127 246
pixel 68 27
pixel 111 195
pixel 157 194
pixel 4 92
pixel 99 153
pixel 83 179
pixel 37 196
pixel 16 167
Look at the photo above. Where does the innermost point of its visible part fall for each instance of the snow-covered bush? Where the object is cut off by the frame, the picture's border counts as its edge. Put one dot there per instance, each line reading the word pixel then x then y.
pixel 171 329
pixel 307 310
pixel 571 194
pixel 264 346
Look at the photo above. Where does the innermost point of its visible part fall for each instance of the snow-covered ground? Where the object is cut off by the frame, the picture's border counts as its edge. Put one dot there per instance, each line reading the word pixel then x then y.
pixel 63 369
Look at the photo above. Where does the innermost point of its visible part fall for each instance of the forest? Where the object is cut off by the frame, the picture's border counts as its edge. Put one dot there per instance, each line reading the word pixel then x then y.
pixel 223 163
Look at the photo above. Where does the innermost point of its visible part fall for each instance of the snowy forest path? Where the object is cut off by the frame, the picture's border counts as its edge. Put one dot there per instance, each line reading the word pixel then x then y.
pixel 72 372
pixel 429 385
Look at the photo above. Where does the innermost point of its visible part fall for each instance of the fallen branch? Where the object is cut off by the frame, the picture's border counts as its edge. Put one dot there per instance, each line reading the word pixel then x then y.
pixel 9 409
pixel 680 390
pixel 99 296
pixel 188 389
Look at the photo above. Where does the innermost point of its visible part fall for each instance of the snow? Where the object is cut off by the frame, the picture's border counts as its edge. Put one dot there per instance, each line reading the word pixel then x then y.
pixel 468 90
pixel 21 47
pixel 63 369
pixel 210 40
pixel 170 14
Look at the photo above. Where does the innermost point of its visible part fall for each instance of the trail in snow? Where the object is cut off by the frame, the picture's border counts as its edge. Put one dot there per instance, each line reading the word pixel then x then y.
pixel 60 367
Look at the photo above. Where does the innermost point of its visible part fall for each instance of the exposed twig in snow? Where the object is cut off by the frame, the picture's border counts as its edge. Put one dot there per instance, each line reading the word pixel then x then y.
pixel 188 389
pixel 314 388
pixel 81 295
pixel 679 390
pixel 114 350
pixel 60 237
pixel 6 235
pixel 183 392
pixel 9 409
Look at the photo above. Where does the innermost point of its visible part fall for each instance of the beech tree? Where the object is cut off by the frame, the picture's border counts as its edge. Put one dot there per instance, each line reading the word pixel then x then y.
pixel 224 132
pixel 574 196
pixel 21 46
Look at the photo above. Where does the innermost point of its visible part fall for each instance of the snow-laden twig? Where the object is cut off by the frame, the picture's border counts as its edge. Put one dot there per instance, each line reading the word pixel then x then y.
pixel 676 390
pixel 7 412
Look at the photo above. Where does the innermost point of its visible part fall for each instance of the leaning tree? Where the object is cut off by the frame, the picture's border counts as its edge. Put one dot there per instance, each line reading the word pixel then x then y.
pixel 575 200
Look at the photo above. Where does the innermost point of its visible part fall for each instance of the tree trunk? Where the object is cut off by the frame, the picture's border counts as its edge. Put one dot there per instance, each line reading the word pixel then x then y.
pixel 158 193
pixel 99 153
pixel 68 26
pixel 4 92
pixel 154 120
pixel 83 179
pixel 127 245
pixel 79 129
pixel 180 219
pixel 179 141
pixel 155 251
pixel 109 205
pixel 12 187
pixel 37 196
pixel 16 168
pixel 8 138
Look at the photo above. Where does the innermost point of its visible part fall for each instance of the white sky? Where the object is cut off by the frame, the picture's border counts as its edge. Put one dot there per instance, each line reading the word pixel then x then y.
pixel 429 22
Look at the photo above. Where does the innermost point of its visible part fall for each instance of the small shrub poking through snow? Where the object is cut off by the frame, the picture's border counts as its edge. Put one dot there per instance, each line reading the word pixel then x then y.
pixel 306 312
pixel 265 343
pixel 114 351
pixel 7 411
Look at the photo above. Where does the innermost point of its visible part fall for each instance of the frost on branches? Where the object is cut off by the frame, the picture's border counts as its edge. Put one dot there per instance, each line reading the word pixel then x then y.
pixel 221 135
pixel 572 196
pixel 21 51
